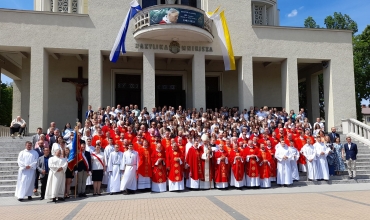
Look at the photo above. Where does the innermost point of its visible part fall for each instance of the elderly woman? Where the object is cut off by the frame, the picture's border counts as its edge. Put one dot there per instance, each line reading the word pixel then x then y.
pixel 332 156
pixel 42 138
pixel 98 164
pixel 339 150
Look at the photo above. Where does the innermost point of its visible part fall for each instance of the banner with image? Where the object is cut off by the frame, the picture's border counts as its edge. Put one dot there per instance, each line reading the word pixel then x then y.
pixel 176 15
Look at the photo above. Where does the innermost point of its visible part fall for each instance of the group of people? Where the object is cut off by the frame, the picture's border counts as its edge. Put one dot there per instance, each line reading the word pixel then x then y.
pixel 170 150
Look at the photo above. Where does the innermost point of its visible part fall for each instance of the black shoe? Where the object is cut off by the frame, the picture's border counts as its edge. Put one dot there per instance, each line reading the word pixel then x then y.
pixel 110 193
pixel 29 197
pixel 84 195
pixel 80 195
pixel 20 200
pixel 42 198
pixel 61 199
pixel 125 192
pixel 55 200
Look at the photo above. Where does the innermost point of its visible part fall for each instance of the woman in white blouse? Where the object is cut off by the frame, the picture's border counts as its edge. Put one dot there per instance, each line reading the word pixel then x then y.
pixel 98 167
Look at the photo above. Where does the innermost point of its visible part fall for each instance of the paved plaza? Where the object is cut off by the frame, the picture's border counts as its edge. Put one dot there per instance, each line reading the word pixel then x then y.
pixel 342 201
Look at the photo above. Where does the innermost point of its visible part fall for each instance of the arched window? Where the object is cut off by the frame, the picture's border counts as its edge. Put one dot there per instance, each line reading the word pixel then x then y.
pixel 148 3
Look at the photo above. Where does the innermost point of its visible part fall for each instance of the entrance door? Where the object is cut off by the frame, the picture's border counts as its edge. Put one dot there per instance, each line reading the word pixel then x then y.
pixel 213 95
pixel 169 91
pixel 128 89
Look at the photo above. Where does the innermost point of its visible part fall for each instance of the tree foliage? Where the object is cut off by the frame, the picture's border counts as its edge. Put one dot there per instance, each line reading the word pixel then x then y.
pixel 361 56
pixel 6 104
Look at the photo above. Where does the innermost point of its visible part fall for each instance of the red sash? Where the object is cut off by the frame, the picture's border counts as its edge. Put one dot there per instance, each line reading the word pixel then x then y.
pixel 98 159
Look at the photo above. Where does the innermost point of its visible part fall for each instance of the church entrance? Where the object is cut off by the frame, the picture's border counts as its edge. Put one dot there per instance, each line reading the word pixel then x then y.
pixel 169 91
pixel 128 89
pixel 213 95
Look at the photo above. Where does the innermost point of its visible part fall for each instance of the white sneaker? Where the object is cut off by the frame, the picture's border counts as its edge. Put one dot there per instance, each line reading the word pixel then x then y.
pixel 19 135
pixel 12 135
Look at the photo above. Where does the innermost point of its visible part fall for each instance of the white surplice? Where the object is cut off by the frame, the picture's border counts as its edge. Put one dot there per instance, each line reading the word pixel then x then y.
pixel 130 162
pixel 284 170
pixel 114 168
pixel 108 149
pixel 56 180
pixel 310 153
pixel 89 181
pixel 322 163
pixel 26 177
pixel 293 163
pixel 208 183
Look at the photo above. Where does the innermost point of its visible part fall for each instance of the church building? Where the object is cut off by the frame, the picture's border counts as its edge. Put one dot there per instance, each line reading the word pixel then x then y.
pixel 58 57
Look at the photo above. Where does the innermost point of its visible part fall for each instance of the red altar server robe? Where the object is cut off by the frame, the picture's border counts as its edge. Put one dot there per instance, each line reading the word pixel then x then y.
pixel 150 139
pixel 137 146
pixel 159 174
pixel 238 167
pixel 103 141
pixel 265 169
pixel 193 159
pixel 252 168
pixel 166 143
pixel 145 164
pixel 184 140
pixel 221 168
pixel 299 143
pixel 176 169
pixel 273 164
pixel 130 137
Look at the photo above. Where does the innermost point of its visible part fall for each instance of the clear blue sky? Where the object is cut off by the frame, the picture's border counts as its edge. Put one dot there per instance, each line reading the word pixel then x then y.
pixel 292 12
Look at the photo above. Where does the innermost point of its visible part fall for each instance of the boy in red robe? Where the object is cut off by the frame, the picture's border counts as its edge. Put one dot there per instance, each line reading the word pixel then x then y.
pixel 175 166
pixel 194 163
pixel 145 167
pixel 237 176
pixel 159 173
pixel 252 156
pixel 273 165
pixel 221 168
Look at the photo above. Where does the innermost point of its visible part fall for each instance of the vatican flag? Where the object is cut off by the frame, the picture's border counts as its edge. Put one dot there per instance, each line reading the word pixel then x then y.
pixel 223 32
pixel 119 44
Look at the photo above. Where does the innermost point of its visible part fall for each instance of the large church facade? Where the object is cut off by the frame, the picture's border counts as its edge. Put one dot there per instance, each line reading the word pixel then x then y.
pixel 58 55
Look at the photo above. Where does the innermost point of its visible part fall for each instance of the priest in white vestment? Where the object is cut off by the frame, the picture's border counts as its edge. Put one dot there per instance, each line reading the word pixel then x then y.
pixel 322 164
pixel 293 163
pixel 308 150
pixel 284 170
pixel 115 169
pixel 27 162
pixel 56 180
pixel 107 151
pixel 207 158
pixel 130 162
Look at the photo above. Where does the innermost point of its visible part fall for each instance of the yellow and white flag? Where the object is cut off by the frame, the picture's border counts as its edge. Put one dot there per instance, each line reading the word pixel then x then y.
pixel 225 43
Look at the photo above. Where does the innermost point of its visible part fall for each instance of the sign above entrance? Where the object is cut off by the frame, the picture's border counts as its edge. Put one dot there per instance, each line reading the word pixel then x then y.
pixel 176 15
pixel 174 47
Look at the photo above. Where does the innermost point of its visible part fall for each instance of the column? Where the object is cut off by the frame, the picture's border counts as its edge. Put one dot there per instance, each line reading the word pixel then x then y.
pixel 39 89
pixel 17 99
pixel 95 86
pixel 328 97
pixel 289 85
pixel 148 87
pixel 69 6
pixel 55 6
pixel 312 92
pixel 46 5
pixel 199 81
pixel 245 82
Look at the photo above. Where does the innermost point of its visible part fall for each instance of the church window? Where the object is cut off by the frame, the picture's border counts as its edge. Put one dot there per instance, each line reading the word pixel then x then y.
pixel 51 5
pixel 74 6
pixel 258 15
pixel 63 6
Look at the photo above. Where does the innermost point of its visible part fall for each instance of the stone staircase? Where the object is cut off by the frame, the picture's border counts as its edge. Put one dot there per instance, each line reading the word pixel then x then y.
pixel 10 148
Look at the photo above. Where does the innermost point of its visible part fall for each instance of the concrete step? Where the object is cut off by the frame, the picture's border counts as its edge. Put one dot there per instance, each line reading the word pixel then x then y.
pixel 362 172
pixel 363 160
pixel 8 159
pixel 363 163
pixel 361 155
pixel 7 193
pixel 9 168
pixel 8 172
pixel 341 177
pixel 330 182
pixel 8 182
pixel 9 163
pixel 8 177
pixel 10 188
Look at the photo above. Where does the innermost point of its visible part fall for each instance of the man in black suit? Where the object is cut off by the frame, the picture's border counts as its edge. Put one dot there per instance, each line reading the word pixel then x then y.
pixel 333 135
pixel 83 169
pixel 89 112
pixel 351 153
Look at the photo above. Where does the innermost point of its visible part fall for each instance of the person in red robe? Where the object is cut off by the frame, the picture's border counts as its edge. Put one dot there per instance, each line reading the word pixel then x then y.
pixel 166 141
pixel 129 135
pixel 175 167
pixel 101 138
pixel 181 145
pixel 243 138
pixel 117 135
pixel 145 166
pixel 207 162
pixel 252 156
pixel 107 126
pixel 265 167
pixel 221 168
pixel 159 173
pixel 194 164
pixel 237 176
pixel 139 142
pixel 274 140
pixel 299 142
pixel 273 164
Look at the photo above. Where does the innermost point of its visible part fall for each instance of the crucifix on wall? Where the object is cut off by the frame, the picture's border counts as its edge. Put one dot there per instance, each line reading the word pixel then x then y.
pixel 79 83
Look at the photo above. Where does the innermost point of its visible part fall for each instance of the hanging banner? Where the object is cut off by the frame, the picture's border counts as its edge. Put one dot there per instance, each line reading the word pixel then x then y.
pixel 176 15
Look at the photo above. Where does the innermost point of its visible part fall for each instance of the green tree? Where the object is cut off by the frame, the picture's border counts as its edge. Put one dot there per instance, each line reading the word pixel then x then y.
pixel 361 56
pixel 310 23
pixel 6 104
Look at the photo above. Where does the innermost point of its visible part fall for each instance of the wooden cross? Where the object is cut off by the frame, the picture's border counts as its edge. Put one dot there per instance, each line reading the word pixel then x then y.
pixel 80 83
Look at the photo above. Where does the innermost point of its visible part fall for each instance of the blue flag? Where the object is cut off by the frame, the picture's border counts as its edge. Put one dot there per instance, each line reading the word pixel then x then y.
pixel 119 44
pixel 73 153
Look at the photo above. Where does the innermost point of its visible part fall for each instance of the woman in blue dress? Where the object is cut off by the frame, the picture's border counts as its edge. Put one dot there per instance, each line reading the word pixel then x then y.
pixel 339 149
pixel 332 156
